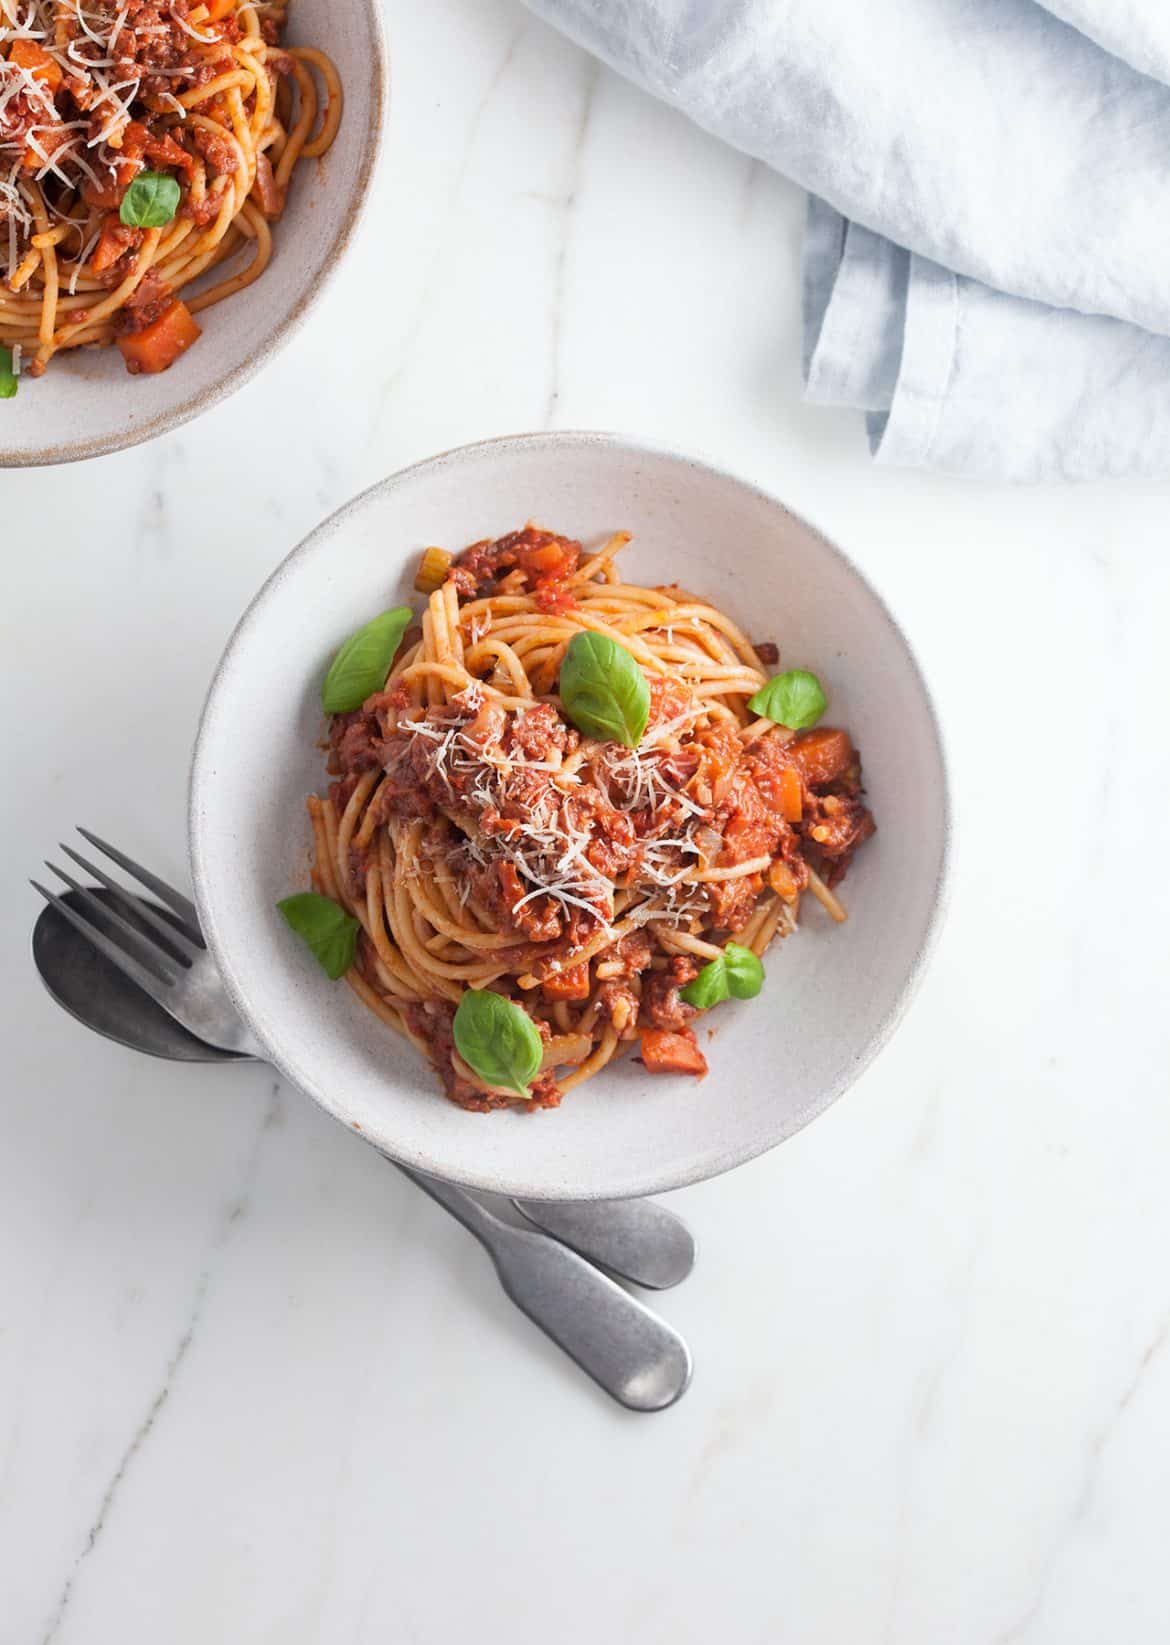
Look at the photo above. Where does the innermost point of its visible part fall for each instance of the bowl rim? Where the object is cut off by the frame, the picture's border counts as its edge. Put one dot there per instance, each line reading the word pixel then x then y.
pixel 104 445
pixel 660 1182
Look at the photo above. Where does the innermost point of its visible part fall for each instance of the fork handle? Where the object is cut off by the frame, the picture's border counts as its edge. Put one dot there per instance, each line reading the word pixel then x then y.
pixel 639 1360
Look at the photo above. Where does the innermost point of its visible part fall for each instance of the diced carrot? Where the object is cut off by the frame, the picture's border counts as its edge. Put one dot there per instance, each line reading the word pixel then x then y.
pixel 667 1053
pixel 26 54
pixel 217 10
pixel 547 557
pixel 49 140
pixel 570 984
pixel 114 239
pixel 107 195
pixel 822 755
pixel 160 343
pixel 782 881
pixel 791 793
pixel 163 152
pixel 510 884
pixel 135 137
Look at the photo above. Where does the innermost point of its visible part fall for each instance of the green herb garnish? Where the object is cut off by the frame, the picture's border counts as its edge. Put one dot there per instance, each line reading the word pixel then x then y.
pixel 361 666
pixel 151 200
pixel 325 928
pixel 603 691
pixel 9 381
pixel 737 973
pixel 794 699
pixel 498 1040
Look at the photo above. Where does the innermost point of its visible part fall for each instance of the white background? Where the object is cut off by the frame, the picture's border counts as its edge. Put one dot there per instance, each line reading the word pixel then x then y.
pixel 253 1386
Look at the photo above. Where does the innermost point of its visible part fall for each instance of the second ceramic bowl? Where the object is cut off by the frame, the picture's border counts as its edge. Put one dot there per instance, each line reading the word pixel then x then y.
pixel 87 404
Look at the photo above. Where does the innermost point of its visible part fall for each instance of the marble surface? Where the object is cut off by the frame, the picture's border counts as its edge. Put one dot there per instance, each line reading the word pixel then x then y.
pixel 253 1386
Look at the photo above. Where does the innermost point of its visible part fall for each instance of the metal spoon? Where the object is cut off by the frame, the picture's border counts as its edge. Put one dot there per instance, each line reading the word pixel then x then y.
pixel 629 1351
pixel 636 1239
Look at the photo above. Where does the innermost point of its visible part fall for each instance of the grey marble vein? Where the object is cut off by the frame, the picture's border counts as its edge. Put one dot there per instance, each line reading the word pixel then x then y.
pixel 1090 1477
pixel 233 1214
pixel 434 262
pixel 924 1408
pixel 564 239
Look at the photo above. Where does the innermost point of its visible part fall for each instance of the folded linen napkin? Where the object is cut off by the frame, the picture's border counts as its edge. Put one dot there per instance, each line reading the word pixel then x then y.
pixel 987 261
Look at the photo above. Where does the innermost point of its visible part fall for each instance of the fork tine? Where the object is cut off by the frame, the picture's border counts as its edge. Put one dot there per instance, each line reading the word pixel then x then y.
pixel 126 963
pixel 183 906
pixel 171 935
pixel 148 953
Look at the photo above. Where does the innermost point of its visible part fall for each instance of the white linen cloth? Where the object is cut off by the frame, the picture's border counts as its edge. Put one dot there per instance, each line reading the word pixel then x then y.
pixel 987 262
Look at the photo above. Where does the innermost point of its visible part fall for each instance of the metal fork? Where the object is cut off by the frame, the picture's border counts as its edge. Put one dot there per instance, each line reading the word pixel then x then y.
pixel 637 1239
pixel 634 1354
pixel 169 963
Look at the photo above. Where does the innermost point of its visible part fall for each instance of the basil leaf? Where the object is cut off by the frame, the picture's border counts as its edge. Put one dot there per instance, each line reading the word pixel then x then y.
pixel 325 928
pixel 709 987
pixel 736 973
pixel 794 699
pixel 745 974
pixel 361 666
pixel 498 1040
pixel 603 691
pixel 151 200
pixel 9 381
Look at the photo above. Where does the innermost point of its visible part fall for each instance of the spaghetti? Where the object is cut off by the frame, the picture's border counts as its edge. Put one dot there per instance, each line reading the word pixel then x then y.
pixel 482 842
pixel 143 143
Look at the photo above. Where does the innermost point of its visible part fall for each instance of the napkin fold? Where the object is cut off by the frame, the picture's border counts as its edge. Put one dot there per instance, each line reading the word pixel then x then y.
pixel 988 244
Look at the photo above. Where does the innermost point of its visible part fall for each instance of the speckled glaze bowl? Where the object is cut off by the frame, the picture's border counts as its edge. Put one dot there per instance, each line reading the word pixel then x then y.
pixel 87 404
pixel 833 994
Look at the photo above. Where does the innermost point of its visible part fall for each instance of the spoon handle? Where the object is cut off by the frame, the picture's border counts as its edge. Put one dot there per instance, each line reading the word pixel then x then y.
pixel 634 1238
pixel 638 1358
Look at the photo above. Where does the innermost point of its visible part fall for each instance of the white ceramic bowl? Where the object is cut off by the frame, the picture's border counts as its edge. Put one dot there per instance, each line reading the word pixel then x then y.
pixel 87 404
pixel 833 994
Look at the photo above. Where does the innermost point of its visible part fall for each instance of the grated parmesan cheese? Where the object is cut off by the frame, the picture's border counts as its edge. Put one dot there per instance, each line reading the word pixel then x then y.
pixel 546 846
